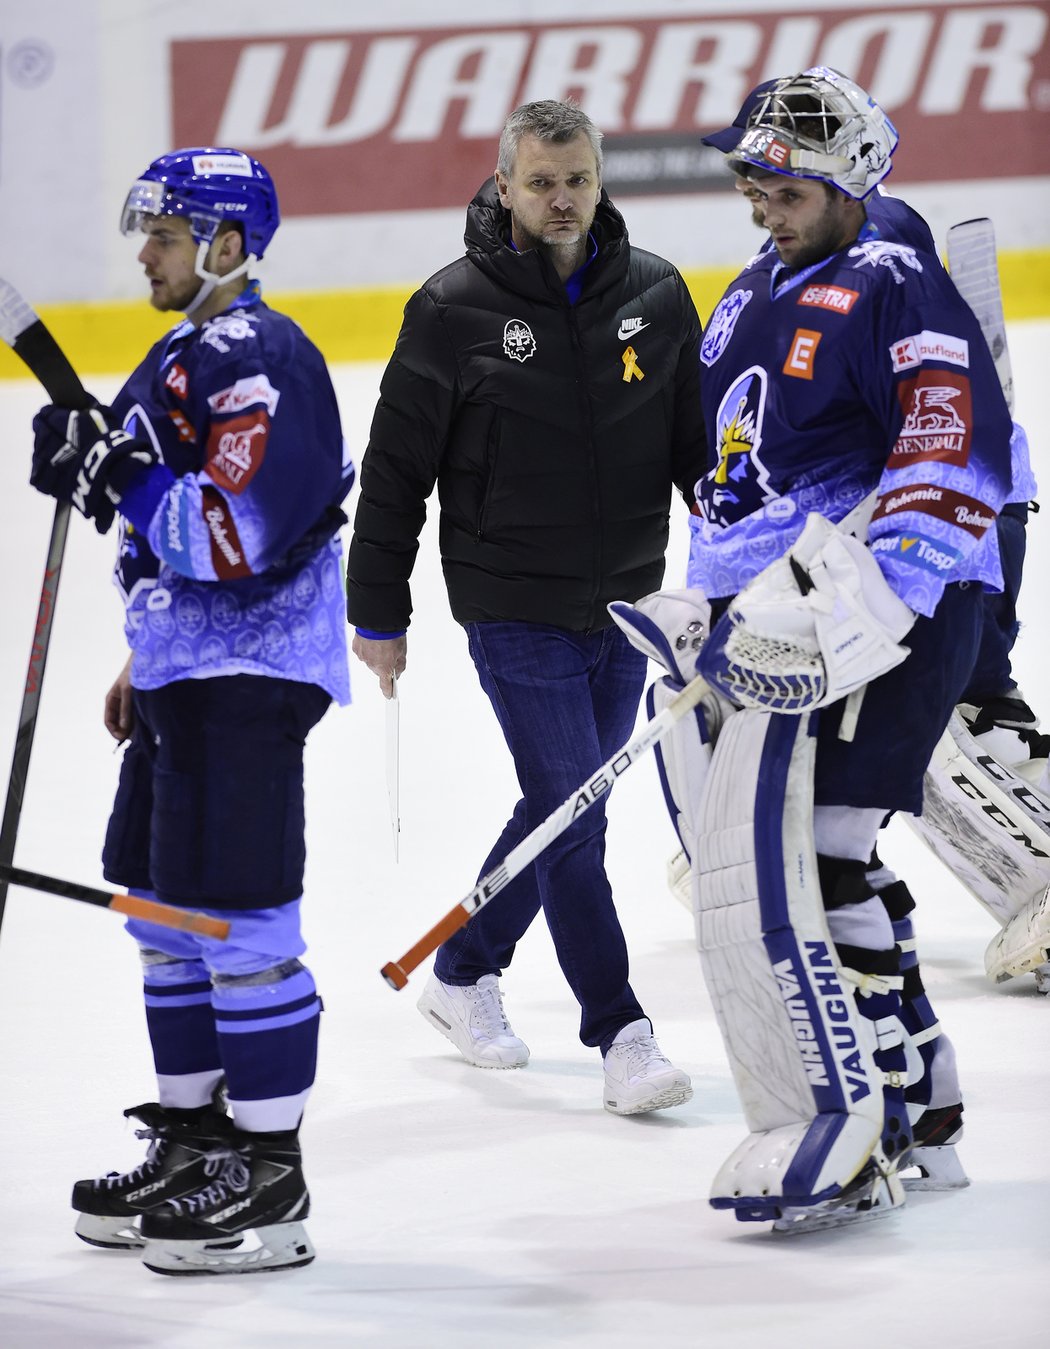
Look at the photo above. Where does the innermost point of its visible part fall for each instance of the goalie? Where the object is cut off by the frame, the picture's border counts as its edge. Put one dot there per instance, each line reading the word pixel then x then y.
pixel 844 378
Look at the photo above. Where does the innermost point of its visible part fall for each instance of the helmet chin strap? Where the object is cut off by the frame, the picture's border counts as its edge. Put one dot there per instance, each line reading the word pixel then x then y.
pixel 209 280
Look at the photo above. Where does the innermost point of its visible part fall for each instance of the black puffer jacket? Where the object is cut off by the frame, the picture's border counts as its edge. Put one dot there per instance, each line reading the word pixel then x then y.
pixel 554 452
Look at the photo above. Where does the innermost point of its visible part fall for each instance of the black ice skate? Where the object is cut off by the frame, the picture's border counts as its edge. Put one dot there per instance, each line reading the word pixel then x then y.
pixel 254 1182
pixel 110 1208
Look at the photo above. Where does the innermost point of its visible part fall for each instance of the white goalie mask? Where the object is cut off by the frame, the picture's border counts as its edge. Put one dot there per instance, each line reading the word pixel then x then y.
pixel 820 124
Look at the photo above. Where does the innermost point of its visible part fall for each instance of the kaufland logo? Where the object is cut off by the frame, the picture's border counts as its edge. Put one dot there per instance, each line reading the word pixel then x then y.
pixel 928 346
pixel 328 112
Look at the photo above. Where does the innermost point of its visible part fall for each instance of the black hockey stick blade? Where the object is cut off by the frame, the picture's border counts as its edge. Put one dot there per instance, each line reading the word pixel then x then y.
pixel 23 331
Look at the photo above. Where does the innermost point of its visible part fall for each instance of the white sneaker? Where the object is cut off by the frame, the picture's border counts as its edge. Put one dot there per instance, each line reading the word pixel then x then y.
pixel 638 1077
pixel 472 1017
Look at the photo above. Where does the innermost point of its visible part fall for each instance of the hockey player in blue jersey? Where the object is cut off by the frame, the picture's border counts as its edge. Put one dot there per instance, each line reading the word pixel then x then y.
pixel 224 459
pixel 994 703
pixel 843 379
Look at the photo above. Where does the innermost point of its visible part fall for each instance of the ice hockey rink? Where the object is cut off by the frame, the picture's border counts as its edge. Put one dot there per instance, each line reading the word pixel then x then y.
pixel 451 1206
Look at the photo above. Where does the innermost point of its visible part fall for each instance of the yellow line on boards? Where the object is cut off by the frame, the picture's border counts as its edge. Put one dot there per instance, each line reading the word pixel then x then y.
pixel 111 337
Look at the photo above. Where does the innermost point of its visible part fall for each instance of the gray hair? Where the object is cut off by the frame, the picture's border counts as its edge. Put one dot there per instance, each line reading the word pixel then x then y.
pixel 547 120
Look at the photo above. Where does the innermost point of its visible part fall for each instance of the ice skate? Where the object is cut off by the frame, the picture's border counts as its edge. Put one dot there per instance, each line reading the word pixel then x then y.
pixel 638 1077
pixel 111 1207
pixel 253 1184
pixel 472 1017
pixel 934 1163
pixel 876 1191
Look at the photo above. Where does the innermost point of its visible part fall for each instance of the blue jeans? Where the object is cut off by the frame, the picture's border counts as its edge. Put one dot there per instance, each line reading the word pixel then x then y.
pixel 566 702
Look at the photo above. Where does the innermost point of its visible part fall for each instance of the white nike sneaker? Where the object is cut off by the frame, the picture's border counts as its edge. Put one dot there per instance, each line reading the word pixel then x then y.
pixel 472 1017
pixel 637 1075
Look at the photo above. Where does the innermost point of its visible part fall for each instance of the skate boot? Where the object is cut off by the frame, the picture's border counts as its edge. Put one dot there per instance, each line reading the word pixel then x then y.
pixel 253 1182
pixel 933 1155
pixel 111 1207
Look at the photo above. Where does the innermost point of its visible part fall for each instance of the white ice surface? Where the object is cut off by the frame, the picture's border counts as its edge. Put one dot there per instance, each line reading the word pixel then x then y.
pixel 455 1207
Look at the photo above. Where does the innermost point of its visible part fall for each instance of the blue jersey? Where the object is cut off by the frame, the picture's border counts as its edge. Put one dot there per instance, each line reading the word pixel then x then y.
pixel 861 373
pixel 230 561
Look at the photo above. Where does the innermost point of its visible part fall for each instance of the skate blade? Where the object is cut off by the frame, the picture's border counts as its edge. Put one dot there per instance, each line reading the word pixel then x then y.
pixel 937 1168
pixel 280 1246
pixel 110 1234
pixel 122 1234
pixel 885 1197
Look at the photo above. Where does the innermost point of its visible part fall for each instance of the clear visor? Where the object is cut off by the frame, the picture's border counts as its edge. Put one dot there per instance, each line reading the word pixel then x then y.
pixel 148 200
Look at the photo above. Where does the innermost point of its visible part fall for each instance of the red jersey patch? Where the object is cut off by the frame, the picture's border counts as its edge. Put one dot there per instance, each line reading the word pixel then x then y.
pixel 938 419
pixel 227 555
pixel 176 380
pixel 836 298
pixel 236 448
pixel 932 499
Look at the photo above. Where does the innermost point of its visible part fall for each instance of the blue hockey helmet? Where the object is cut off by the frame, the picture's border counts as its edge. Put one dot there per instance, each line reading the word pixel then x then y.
pixel 206 187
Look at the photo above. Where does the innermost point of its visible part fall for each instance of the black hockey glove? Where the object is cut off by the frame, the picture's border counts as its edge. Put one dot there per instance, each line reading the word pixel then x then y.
pixel 77 458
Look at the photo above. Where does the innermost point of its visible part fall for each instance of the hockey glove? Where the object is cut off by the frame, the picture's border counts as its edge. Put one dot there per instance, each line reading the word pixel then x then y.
pixel 77 458
pixel 816 624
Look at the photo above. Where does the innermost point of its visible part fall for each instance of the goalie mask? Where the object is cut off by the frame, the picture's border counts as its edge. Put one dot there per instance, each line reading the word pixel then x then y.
pixel 821 125
pixel 207 188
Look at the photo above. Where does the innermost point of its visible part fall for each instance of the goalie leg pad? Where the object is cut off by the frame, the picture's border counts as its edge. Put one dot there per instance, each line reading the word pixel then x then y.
pixel 802 1057
pixel 989 826
pixel 682 761
pixel 1023 944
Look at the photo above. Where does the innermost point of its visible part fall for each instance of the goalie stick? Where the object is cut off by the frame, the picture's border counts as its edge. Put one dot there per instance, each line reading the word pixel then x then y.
pixel 133 906
pixel 974 268
pixel 396 972
pixel 27 336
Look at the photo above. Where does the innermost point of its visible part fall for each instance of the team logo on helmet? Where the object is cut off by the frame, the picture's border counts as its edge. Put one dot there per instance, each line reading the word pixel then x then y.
pixel 518 341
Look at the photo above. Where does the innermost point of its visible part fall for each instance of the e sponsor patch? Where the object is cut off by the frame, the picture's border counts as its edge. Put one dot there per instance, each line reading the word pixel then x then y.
pixel 918 551
pixel 928 498
pixel 800 358
pixel 938 419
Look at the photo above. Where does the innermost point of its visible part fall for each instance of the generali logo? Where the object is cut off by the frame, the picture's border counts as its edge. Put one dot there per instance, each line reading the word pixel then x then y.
pixel 351 121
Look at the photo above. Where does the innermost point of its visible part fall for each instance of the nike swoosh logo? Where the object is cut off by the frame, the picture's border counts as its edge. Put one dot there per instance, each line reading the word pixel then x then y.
pixel 629 327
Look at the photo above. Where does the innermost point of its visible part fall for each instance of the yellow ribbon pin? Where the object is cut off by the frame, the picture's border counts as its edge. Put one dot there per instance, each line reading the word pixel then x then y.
pixel 631 368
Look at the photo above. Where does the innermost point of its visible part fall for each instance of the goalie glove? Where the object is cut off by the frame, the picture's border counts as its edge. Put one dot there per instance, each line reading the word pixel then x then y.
pixel 816 624
pixel 77 458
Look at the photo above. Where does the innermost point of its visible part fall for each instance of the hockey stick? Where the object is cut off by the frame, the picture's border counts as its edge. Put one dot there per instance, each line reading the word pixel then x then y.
pixel 974 268
pixel 396 972
pixel 149 910
pixel 27 336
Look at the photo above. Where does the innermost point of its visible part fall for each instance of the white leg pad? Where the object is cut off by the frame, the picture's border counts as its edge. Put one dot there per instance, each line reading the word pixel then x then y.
pixel 989 826
pixel 800 1053
pixel 1023 944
